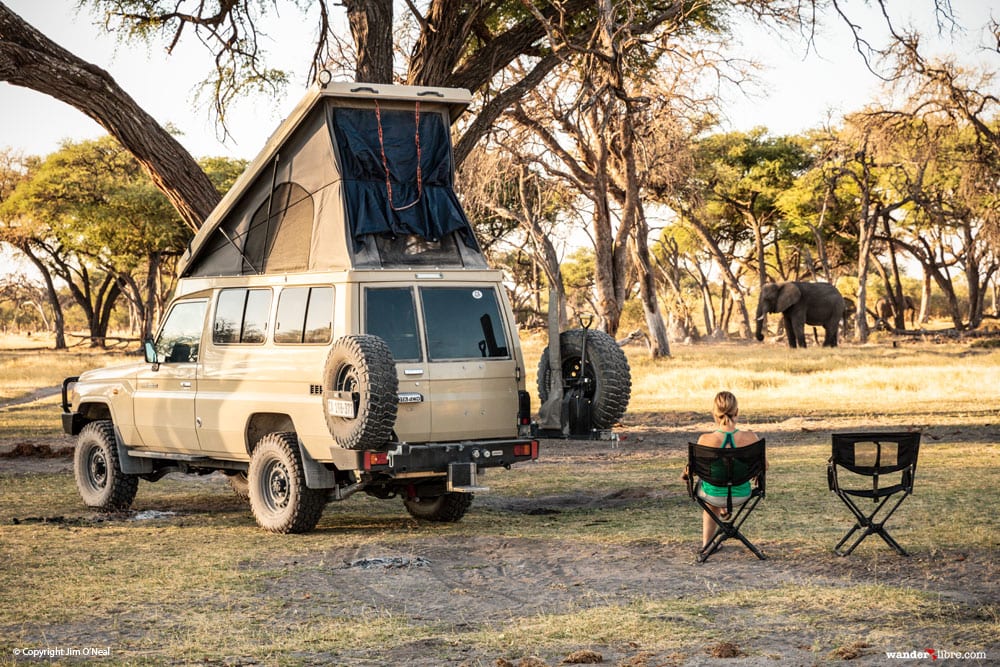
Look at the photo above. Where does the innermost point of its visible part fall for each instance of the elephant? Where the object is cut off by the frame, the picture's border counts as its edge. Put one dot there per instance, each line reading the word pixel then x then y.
pixel 884 311
pixel 817 304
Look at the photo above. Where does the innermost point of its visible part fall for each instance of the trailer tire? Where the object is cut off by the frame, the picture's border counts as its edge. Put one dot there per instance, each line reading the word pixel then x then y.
pixel 607 368
pixel 361 367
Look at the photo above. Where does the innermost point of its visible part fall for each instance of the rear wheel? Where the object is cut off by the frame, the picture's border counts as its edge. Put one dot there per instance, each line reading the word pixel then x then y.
pixel 239 482
pixel 99 476
pixel 446 508
pixel 605 376
pixel 279 498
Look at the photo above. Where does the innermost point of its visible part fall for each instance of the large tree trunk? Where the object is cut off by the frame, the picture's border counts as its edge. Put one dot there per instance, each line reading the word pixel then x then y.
pixel 866 233
pixel 149 310
pixel 58 320
pixel 442 41
pixel 722 262
pixel 30 59
pixel 605 275
pixel 925 296
pixel 371 28
pixel 647 294
pixel 896 286
pixel 106 299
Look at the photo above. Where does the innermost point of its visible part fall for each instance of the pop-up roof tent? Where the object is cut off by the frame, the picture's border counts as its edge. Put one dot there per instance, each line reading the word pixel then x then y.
pixel 358 176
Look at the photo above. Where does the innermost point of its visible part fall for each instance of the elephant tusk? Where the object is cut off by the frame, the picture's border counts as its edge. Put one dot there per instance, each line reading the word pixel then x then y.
pixel 761 318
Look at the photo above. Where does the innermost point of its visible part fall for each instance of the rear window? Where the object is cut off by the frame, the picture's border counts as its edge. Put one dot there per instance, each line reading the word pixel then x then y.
pixel 305 315
pixel 463 323
pixel 391 315
pixel 241 316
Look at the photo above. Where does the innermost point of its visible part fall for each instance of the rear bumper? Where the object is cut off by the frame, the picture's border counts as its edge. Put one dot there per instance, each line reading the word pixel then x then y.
pixel 434 458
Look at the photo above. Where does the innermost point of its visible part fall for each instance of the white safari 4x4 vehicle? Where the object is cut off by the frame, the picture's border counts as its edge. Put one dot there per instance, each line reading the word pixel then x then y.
pixel 335 329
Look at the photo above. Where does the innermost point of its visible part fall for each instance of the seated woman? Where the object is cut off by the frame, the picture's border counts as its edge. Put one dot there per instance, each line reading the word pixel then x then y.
pixel 725 411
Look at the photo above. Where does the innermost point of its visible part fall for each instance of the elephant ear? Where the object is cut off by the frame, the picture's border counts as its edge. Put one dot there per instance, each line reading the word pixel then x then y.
pixel 788 295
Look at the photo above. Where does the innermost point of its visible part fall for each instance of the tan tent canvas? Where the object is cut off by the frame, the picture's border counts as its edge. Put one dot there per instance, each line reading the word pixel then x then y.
pixel 358 176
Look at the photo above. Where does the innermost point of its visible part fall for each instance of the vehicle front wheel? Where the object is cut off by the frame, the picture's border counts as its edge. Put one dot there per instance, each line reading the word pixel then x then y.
pixel 279 498
pixel 99 476
pixel 448 507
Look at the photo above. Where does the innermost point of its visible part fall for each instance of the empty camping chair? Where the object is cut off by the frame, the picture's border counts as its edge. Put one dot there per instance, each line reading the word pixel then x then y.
pixel 727 468
pixel 889 462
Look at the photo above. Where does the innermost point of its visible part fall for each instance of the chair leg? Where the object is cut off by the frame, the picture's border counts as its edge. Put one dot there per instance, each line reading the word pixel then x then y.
pixel 870 526
pixel 881 532
pixel 713 545
pixel 846 537
pixel 730 529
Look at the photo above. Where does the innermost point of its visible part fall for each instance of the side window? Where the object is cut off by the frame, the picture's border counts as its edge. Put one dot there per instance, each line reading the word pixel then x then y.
pixel 305 315
pixel 463 323
pixel 241 316
pixel 180 334
pixel 391 315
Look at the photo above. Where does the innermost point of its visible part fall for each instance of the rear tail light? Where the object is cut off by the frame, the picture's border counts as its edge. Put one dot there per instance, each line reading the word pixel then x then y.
pixel 376 459
pixel 527 449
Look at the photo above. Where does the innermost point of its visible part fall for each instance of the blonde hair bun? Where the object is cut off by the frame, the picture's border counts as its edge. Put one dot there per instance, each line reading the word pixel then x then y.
pixel 726 407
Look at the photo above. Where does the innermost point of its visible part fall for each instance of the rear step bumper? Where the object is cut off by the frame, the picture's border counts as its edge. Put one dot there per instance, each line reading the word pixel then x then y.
pixel 434 458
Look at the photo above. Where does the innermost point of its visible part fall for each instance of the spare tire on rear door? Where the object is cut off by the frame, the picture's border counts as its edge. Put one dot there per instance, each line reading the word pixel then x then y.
pixel 360 392
pixel 609 385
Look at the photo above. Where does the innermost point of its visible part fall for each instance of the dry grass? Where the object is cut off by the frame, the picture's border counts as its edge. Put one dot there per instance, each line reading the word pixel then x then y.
pixel 27 365
pixel 206 585
pixel 770 379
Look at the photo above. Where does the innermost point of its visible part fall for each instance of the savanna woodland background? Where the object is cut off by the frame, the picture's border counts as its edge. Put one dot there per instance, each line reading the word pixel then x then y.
pixel 595 171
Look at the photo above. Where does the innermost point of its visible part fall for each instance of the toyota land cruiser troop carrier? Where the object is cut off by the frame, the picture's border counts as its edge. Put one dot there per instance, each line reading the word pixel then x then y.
pixel 335 329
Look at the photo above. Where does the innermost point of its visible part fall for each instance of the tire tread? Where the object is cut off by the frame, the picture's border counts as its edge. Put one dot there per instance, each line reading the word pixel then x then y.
pixel 303 516
pixel 614 376
pixel 123 488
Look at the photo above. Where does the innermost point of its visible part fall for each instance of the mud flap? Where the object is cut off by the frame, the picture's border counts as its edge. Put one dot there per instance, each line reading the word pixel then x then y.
pixel 131 465
pixel 317 475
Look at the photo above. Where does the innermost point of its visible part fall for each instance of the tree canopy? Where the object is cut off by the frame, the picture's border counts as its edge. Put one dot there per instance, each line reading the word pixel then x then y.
pixel 595 110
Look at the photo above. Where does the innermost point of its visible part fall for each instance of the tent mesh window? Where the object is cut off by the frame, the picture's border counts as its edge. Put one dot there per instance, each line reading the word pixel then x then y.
pixel 405 154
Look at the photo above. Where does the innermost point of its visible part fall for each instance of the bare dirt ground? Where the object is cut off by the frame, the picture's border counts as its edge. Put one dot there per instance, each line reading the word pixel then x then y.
pixel 484 583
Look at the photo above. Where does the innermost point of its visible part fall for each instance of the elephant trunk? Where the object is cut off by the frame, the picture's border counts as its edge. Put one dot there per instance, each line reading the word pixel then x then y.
pixel 761 318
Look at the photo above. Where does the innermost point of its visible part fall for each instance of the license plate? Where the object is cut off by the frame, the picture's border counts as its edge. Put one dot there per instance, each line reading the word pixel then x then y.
pixel 338 407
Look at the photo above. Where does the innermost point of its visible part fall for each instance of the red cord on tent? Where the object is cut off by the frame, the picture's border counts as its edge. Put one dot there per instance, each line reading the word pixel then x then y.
pixel 385 162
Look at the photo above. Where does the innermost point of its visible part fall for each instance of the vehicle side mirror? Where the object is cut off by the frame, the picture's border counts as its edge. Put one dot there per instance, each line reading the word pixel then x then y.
pixel 150 350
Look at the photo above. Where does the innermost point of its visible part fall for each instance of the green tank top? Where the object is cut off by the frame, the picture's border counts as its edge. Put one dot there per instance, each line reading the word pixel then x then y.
pixel 718 470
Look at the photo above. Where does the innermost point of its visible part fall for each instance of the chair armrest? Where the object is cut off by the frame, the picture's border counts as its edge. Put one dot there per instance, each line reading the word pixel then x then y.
pixel 689 479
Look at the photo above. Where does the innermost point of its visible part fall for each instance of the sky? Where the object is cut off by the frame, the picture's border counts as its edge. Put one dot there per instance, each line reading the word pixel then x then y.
pixel 799 87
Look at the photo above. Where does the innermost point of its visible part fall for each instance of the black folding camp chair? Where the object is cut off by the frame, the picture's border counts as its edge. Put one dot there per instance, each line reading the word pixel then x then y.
pixel 727 467
pixel 872 455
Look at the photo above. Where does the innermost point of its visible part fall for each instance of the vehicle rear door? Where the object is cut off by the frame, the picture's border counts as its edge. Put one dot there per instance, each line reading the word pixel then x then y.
pixel 391 313
pixel 470 365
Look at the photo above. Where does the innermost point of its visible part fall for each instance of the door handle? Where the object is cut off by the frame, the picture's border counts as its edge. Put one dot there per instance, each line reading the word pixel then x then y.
pixel 186 385
pixel 413 371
